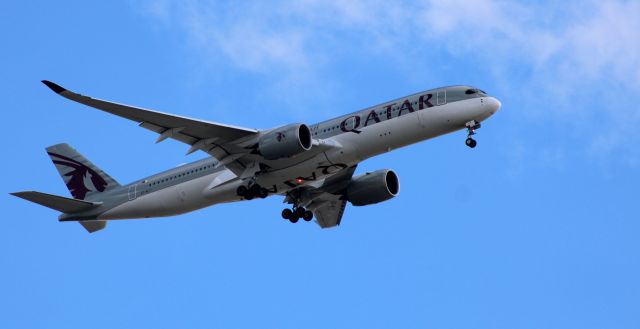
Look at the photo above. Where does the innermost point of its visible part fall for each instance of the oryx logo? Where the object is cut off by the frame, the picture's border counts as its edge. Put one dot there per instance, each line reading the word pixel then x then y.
pixel 81 179
pixel 280 136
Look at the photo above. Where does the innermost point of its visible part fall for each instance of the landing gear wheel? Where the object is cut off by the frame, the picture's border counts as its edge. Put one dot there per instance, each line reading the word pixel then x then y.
pixel 294 218
pixel 300 211
pixel 263 193
pixel 287 213
pixel 472 126
pixel 471 142
pixel 308 215
pixel 242 191
pixel 254 190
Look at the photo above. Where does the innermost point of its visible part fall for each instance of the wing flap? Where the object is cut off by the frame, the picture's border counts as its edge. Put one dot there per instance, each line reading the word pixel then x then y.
pixel 173 133
pixel 328 210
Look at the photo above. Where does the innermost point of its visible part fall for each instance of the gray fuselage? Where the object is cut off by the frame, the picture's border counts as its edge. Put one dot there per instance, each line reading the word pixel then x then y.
pixel 338 144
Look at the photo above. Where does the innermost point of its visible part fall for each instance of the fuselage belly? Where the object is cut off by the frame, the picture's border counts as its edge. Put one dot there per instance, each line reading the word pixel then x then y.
pixel 355 145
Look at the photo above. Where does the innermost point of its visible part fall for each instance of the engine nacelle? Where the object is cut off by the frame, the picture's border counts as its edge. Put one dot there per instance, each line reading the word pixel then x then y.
pixel 285 141
pixel 374 187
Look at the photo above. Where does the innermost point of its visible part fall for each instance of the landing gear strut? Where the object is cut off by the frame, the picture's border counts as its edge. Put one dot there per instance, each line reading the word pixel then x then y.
pixel 293 215
pixel 253 191
pixel 471 130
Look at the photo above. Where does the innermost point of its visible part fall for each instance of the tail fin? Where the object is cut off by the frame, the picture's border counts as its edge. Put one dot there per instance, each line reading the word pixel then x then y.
pixel 81 176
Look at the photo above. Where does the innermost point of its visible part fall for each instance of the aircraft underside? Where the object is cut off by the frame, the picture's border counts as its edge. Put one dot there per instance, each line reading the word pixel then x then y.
pixel 312 167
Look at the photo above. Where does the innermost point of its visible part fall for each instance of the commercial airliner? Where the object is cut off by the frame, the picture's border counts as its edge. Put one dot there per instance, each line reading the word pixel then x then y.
pixel 311 166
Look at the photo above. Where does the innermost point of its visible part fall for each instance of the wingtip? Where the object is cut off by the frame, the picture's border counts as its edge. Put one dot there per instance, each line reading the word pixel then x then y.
pixel 56 88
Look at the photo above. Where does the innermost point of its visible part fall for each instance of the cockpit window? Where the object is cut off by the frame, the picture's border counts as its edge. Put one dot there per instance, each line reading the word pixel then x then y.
pixel 475 91
pixel 460 93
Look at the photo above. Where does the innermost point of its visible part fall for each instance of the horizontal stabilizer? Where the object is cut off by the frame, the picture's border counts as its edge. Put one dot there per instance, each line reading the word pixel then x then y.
pixel 59 203
pixel 94 225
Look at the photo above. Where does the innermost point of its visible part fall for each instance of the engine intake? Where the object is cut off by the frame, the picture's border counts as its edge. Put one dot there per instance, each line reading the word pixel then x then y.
pixel 374 187
pixel 285 141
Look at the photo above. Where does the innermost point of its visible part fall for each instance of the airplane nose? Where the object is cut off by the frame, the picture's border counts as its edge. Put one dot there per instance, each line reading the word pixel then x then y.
pixel 494 105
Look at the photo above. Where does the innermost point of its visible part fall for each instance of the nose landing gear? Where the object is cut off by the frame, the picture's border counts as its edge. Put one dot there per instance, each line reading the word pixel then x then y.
pixel 293 215
pixel 471 130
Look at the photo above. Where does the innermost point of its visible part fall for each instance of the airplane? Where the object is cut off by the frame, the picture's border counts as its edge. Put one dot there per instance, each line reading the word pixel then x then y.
pixel 311 166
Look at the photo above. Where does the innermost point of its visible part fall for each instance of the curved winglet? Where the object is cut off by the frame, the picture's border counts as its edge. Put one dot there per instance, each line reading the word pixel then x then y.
pixel 56 88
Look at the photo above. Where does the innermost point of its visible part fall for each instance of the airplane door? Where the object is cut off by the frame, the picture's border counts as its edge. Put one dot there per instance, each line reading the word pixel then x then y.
pixel 133 192
pixel 441 97
pixel 425 115
pixel 432 117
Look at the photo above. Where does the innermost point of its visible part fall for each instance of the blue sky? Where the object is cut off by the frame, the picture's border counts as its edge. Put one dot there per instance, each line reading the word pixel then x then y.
pixel 535 228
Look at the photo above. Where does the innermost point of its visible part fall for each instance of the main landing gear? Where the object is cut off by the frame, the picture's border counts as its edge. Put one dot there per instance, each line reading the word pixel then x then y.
pixel 471 130
pixel 293 215
pixel 253 191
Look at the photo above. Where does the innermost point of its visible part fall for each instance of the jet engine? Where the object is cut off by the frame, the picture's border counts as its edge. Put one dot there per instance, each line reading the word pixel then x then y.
pixel 374 187
pixel 285 141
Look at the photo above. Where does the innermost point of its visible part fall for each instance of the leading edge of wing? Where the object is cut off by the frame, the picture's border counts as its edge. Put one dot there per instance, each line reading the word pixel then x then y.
pixel 116 109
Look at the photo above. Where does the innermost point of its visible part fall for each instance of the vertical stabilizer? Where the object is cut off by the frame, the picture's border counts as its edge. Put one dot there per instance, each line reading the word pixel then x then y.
pixel 81 176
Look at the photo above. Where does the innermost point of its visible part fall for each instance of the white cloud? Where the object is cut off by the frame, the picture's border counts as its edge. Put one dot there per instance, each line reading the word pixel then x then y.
pixel 608 44
pixel 284 35
pixel 245 36
pixel 592 40
pixel 584 40
pixel 565 48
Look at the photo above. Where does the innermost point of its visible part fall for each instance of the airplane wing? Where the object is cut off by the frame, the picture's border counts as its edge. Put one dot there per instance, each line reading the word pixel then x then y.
pixel 328 201
pixel 210 137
